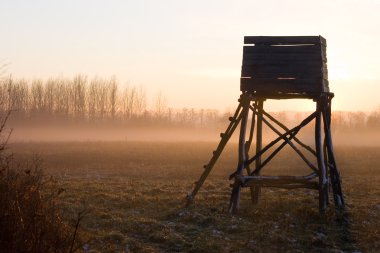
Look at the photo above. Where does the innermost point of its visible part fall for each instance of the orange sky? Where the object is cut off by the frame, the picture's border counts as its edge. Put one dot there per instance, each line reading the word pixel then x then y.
pixel 190 50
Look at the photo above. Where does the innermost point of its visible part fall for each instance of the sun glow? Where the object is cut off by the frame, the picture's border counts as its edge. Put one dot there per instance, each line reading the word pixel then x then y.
pixel 339 71
pixel 191 51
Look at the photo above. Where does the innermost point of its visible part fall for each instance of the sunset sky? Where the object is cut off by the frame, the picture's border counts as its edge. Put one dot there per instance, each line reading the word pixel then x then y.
pixel 189 50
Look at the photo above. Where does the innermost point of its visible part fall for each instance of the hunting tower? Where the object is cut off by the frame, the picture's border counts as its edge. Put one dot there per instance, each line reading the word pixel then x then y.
pixel 281 67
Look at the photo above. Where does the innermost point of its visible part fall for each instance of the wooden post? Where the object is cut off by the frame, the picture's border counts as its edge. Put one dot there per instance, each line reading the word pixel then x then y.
pixel 259 139
pixel 334 173
pixel 326 162
pixel 235 195
pixel 248 147
pixel 321 166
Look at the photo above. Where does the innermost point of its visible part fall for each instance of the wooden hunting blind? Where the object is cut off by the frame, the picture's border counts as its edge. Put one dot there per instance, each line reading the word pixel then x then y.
pixel 281 67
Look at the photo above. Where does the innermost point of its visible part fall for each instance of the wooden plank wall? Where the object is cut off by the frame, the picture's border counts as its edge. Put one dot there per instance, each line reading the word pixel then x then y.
pixel 277 64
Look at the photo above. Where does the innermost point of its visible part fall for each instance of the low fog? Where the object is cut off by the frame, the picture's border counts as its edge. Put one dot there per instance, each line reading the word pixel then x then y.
pixel 45 132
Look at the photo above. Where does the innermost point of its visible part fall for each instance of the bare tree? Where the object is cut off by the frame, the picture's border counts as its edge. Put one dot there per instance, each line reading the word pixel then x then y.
pixel 49 97
pixel 36 97
pixel 129 101
pixel 160 105
pixel 92 99
pixel 113 91
pixel 140 100
pixel 62 97
pixel 79 96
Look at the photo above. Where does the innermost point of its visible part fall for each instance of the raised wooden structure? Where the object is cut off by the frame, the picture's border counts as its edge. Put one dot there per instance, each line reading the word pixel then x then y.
pixel 279 67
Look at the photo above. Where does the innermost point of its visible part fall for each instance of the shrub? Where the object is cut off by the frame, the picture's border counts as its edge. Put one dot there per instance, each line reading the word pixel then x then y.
pixel 31 221
pixel 30 212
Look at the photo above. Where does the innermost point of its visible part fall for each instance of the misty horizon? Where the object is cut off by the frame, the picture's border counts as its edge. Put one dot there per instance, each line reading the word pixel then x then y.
pixel 100 109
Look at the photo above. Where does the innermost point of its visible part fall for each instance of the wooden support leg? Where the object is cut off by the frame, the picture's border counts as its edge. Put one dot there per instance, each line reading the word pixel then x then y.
pixel 259 138
pixel 326 162
pixel 334 173
pixel 235 195
pixel 248 147
pixel 208 167
pixel 321 165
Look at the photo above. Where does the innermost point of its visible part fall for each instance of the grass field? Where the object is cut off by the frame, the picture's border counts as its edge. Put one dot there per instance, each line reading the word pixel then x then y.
pixel 135 193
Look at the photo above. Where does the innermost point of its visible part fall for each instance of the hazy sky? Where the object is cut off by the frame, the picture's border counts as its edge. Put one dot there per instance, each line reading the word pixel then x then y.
pixel 190 50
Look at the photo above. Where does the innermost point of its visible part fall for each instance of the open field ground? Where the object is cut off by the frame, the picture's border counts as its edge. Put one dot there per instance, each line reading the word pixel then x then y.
pixel 135 194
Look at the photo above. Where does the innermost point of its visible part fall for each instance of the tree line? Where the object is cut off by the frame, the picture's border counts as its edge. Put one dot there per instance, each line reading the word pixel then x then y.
pixel 98 99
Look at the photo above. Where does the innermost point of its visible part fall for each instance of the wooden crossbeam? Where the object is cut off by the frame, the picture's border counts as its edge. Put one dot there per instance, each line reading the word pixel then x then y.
pixel 308 185
pixel 287 129
pixel 291 131
pixel 288 141
pixel 288 182
pixel 283 179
